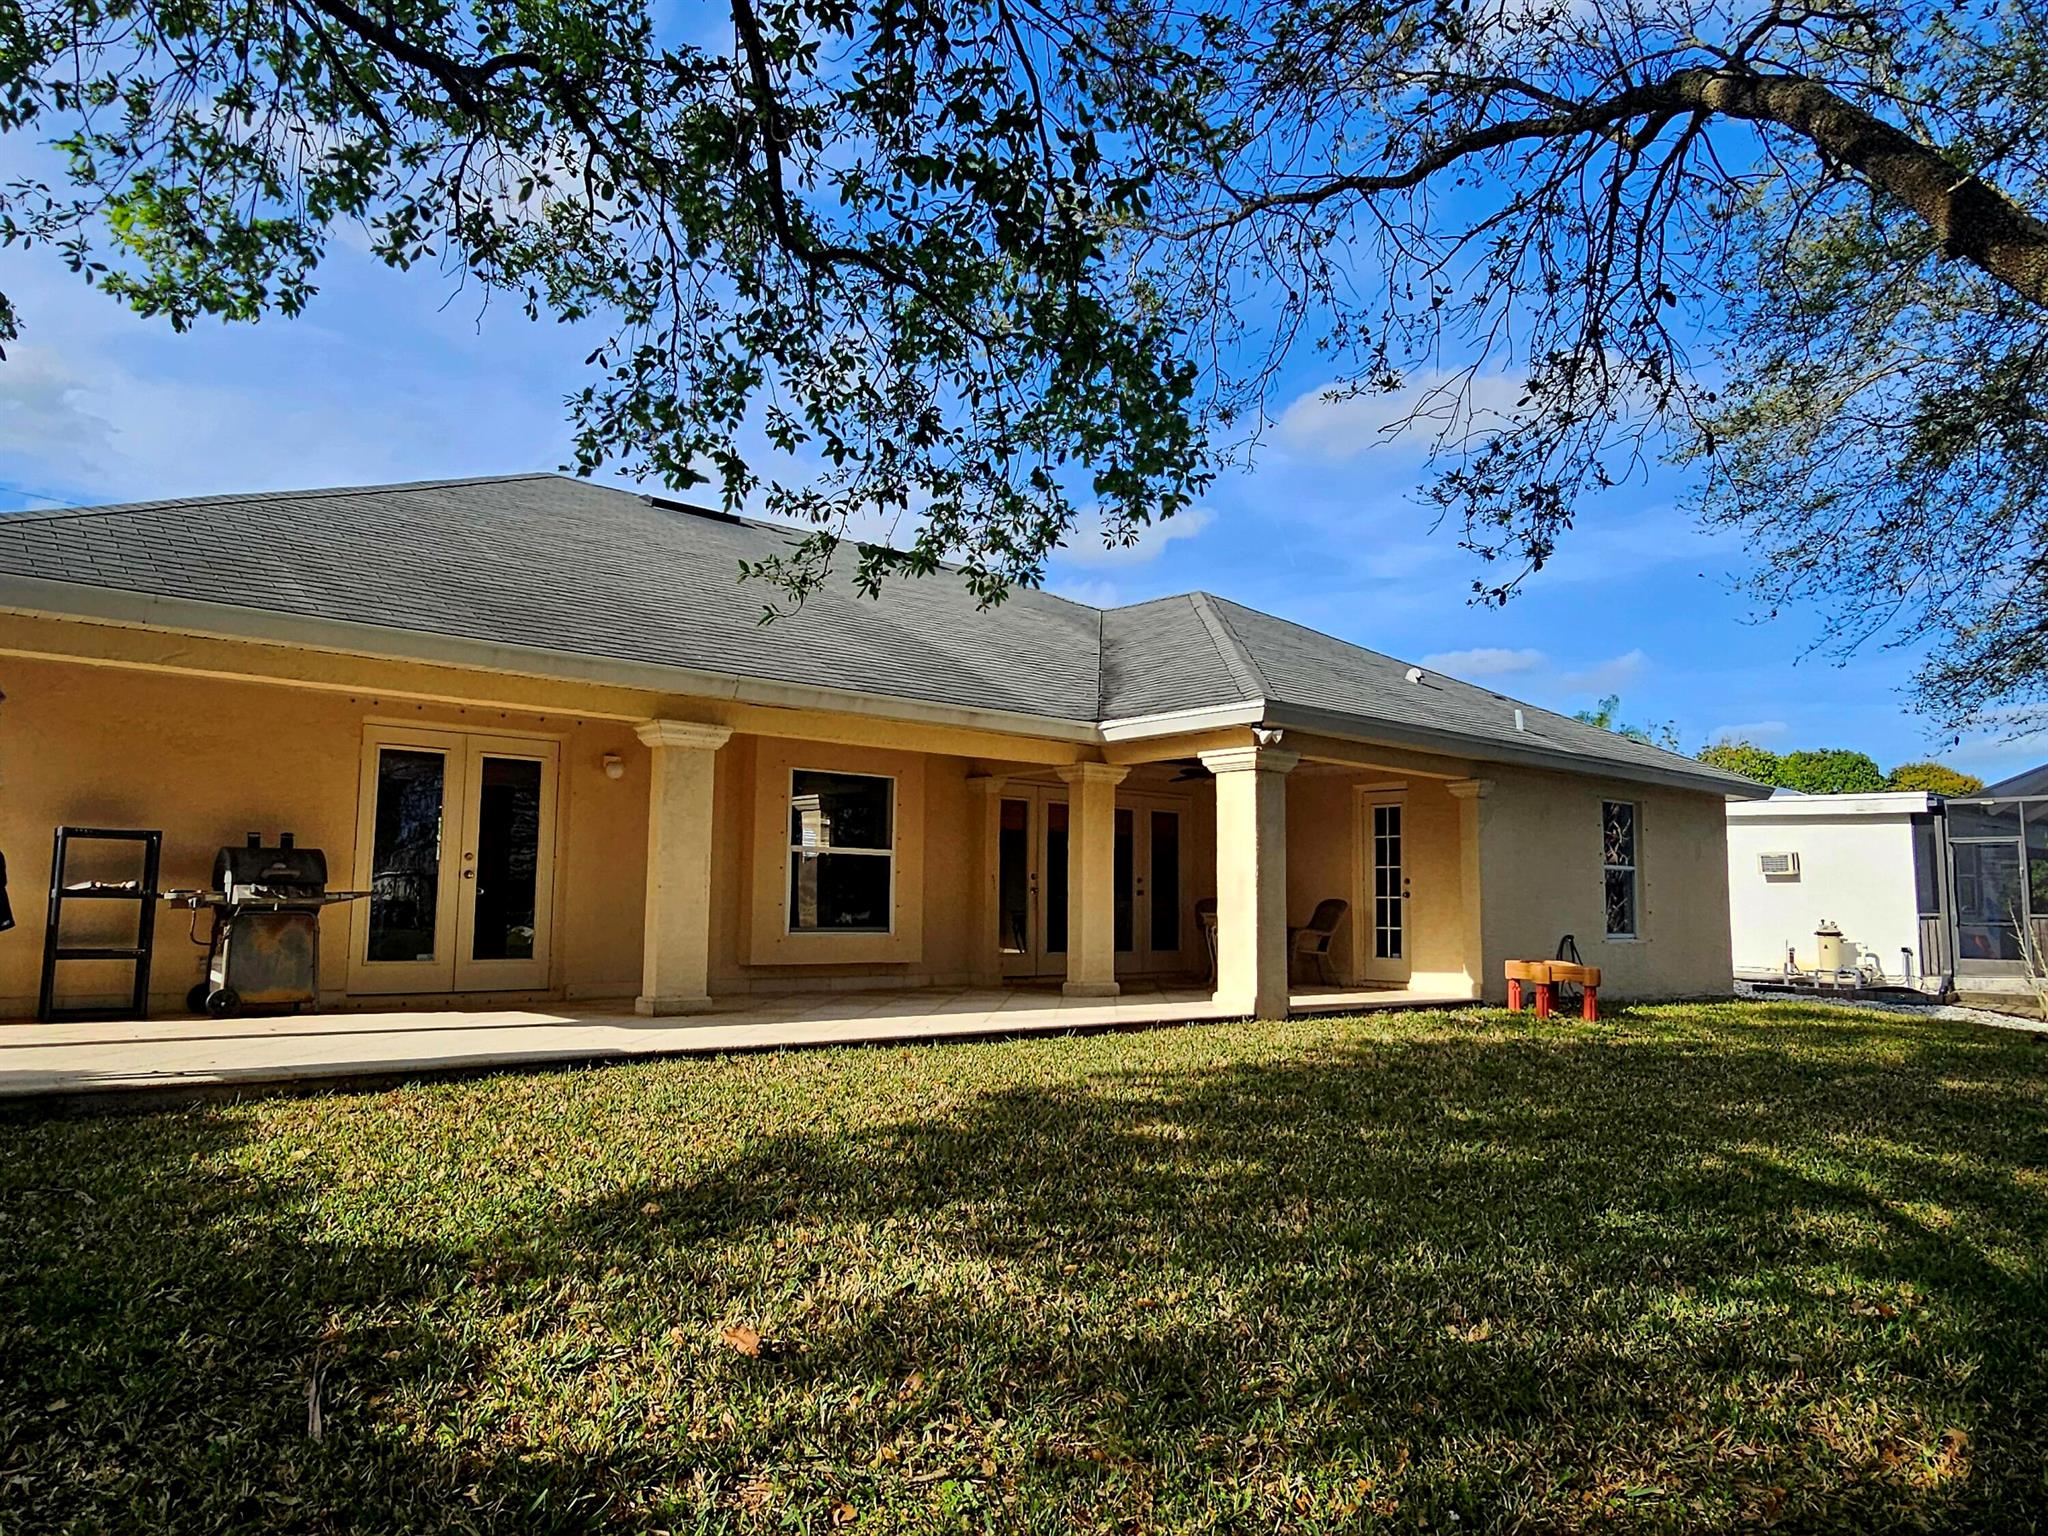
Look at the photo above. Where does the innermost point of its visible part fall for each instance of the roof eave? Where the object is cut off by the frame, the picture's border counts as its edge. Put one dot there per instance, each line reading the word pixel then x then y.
pixel 1362 728
pixel 81 601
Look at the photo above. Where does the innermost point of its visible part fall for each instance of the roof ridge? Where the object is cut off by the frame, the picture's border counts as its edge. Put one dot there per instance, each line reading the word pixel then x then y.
pixel 1101 672
pixel 319 493
pixel 1230 647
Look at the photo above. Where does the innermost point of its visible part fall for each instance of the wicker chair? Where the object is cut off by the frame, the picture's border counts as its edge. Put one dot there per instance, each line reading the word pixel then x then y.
pixel 1314 939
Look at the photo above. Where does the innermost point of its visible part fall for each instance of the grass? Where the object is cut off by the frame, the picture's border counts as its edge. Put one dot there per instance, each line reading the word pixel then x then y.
pixel 1696 1268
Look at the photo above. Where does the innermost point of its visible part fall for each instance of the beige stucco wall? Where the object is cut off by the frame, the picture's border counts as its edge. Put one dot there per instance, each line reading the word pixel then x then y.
pixel 1541 876
pixel 208 759
pixel 1325 857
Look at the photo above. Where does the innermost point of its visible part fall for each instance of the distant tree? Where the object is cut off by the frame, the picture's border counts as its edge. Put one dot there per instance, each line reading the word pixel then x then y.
pixel 1934 778
pixel 1758 764
pixel 1607 716
pixel 1830 771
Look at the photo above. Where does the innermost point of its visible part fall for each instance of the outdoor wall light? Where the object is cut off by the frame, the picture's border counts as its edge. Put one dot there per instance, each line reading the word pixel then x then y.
pixel 614 766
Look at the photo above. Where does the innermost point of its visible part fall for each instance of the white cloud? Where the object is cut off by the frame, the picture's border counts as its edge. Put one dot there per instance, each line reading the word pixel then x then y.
pixel 44 411
pixel 1088 544
pixel 1487 661
pixel 1432 409
pixel 1748 730
pixel 1609 676
pixel 1096 594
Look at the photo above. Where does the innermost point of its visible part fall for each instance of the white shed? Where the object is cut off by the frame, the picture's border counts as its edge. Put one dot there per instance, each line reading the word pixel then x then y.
pixel 1870 865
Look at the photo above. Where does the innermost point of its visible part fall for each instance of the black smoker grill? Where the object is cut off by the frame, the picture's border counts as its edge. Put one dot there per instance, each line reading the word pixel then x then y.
pixel 264 949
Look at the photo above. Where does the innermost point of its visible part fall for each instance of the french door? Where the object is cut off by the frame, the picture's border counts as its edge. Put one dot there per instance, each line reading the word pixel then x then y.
pixel 455 840
pixel 1383 870
pixel 1033 845
pixel 1148 918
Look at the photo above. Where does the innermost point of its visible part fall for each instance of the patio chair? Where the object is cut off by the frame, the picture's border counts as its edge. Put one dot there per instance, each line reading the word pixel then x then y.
pixel 1314 939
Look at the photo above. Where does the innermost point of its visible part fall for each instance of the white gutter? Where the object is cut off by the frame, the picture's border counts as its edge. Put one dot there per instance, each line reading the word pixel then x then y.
pixel 1210 717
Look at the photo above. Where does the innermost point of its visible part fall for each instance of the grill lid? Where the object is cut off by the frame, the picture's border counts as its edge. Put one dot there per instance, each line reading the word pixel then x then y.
pixel 283 870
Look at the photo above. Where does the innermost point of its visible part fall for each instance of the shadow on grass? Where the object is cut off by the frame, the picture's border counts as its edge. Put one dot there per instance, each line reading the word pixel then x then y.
pixel 1696 1269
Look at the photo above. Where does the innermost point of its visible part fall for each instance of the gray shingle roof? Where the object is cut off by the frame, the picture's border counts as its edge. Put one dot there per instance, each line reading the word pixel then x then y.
pixel 570 566
pixel 544 560
pixel 2021 785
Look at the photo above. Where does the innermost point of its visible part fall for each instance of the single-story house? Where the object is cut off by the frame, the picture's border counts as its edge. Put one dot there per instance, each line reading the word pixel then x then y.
pixel 541 722
pixel 1937 892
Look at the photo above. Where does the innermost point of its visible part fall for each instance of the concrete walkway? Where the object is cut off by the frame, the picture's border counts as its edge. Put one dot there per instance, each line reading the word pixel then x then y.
pixel 196 1052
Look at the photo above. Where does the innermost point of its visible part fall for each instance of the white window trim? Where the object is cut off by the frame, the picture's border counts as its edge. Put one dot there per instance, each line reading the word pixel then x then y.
pixel 791 850
pixel 1400 837
pixel 1634 868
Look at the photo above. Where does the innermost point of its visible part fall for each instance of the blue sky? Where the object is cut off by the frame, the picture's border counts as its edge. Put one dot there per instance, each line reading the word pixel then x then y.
pixel 397 377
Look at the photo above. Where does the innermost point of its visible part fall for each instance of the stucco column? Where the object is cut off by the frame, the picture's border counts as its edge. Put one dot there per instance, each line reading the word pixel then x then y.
pixel 1251 878
pixel 1091 878
pixel 985 954
pixel 675 967
pixel 1470 795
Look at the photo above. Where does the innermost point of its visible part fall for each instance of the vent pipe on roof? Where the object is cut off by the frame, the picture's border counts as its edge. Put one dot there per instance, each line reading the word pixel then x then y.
pixel 1518 721
pixel 1415 674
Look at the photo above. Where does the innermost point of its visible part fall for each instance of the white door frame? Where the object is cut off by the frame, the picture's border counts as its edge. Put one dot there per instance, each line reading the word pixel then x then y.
pixel 1142 959
pixel 1035 960
pixel 451 967
pixel 1367 962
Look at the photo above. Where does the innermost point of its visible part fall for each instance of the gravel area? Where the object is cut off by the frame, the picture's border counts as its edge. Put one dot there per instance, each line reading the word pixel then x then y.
pixel 1753 993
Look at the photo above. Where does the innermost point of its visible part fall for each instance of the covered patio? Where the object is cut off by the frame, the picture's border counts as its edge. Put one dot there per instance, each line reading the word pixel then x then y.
pixel 202 1054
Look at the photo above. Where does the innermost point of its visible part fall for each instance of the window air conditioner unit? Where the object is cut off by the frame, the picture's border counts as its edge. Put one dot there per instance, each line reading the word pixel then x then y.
pixel 1778 866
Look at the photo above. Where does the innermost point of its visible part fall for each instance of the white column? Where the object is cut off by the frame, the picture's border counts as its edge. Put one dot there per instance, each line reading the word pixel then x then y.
pixel 1470 795
pixel 675 970
pixel 1251 878
pixel 1091 878
pixel 985 957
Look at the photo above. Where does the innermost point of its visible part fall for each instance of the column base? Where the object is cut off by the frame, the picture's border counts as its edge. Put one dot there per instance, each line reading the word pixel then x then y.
pixel 669 1007
pixel 1241 1007
pixel 1090 989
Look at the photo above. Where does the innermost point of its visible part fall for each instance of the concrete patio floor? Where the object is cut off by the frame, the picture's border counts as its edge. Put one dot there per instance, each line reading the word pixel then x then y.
pixel 171 1053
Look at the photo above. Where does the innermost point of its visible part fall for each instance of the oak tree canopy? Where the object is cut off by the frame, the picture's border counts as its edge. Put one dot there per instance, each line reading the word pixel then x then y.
pixel 1009 266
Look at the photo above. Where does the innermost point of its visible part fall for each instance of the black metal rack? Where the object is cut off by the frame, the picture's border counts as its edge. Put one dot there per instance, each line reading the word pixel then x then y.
pixel 144 895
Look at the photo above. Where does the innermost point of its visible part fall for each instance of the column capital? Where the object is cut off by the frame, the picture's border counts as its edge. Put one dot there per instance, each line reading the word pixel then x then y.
pixel 1093 773
pixel 1470 789
pixel 683 733
pixel 1250 760
pixel 987 783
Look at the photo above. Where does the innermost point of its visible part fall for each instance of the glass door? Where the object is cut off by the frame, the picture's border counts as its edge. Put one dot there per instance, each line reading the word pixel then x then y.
pixel 455 842
pixel 403 935
pixel 1147 901
pixel 1384 866
pixel 505 890
pixel 1031 882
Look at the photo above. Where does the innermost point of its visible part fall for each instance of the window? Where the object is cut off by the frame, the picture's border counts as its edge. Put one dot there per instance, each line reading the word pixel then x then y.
pixel 1388 920
pixel 1618 861
pixel 842 852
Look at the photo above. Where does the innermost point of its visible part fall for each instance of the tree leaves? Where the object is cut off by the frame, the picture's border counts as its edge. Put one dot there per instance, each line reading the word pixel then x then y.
pixel 879 229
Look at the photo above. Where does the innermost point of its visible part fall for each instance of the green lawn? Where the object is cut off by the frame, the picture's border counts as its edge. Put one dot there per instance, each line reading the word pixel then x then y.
pixel 1694 1268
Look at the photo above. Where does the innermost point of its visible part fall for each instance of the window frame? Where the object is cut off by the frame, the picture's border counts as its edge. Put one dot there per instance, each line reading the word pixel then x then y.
pixel 1634 867
pixel 792 849
pixel 1397 900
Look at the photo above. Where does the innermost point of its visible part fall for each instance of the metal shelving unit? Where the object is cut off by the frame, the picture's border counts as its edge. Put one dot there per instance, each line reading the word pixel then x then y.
pixel 144 895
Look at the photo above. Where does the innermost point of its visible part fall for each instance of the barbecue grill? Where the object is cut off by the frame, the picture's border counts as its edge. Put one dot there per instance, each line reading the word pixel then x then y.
pixel 264 947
